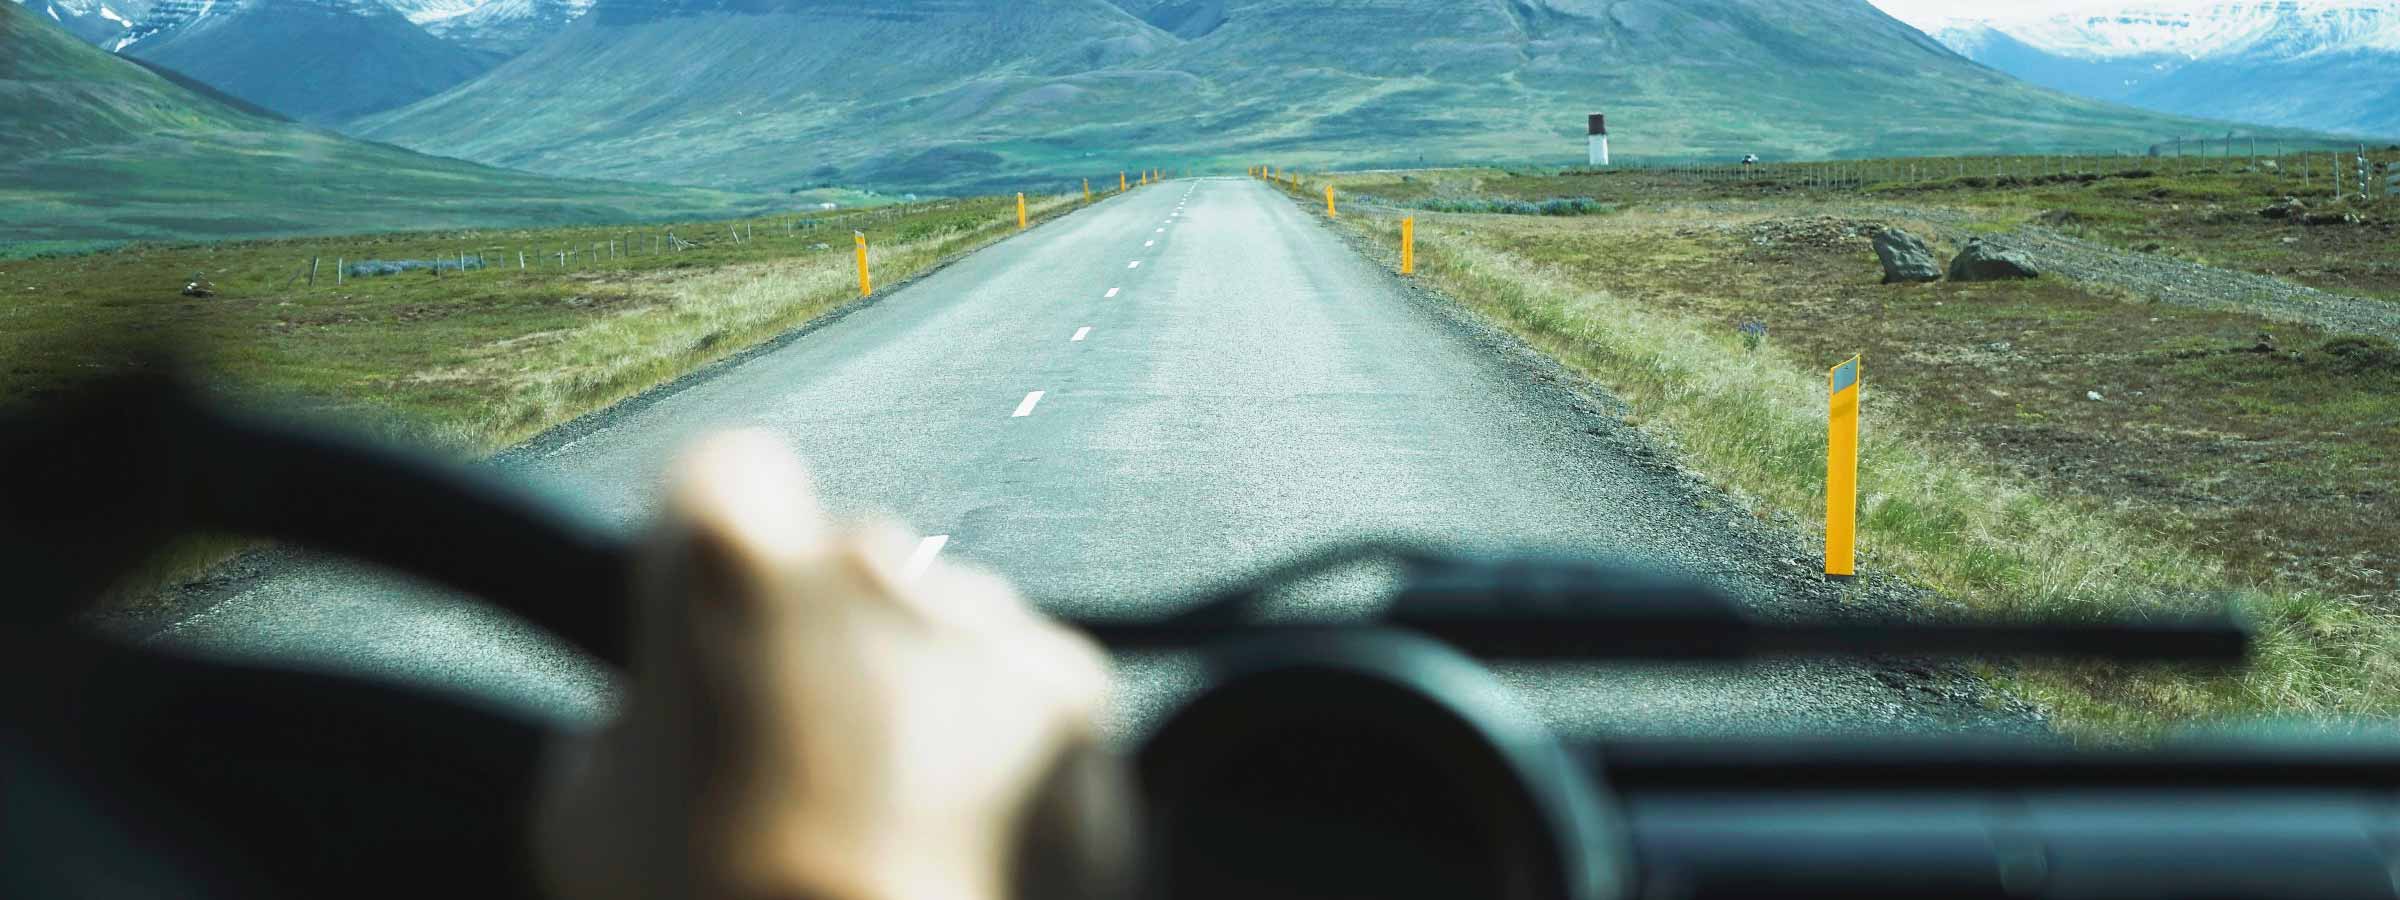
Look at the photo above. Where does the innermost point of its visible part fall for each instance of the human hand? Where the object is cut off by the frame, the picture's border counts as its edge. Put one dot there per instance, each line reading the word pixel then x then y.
pixel 805 718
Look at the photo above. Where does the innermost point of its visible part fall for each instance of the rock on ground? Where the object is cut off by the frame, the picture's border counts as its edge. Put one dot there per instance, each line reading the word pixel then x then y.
pixel 1905 259
pixel 1986 261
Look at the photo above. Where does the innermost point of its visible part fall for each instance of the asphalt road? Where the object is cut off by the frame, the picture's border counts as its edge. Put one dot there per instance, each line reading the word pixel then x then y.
pixel 1174 387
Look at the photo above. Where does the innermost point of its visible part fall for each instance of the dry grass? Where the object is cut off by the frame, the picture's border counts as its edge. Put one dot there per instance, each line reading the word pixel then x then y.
pixel 1937 510
pixel 474 363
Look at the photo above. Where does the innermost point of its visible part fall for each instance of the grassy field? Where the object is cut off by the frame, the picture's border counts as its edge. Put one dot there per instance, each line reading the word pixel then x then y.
pixel 471 361
pixel 290 181
pixel 2216 464
pixel 2201 209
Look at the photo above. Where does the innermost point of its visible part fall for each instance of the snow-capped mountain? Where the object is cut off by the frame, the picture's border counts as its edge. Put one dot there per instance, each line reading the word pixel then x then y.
pixel 2330 64
pixel 322 61
pixel 508 27
pixel 97 21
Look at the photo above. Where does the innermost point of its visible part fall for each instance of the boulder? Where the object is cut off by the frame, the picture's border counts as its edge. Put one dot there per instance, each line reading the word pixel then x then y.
pixel 1905 259
pixel 2291 207
pixel 1986 261
pixel 2332 217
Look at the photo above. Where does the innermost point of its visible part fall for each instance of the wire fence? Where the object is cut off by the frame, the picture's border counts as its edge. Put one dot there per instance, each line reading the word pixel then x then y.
pixel 592 249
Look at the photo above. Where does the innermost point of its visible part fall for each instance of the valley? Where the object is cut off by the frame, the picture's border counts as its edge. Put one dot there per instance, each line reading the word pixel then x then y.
pixel 96 150
pixel 967 97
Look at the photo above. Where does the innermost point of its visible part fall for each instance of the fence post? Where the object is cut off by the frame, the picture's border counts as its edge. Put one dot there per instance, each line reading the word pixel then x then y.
pixel 312 270
pixel 339 263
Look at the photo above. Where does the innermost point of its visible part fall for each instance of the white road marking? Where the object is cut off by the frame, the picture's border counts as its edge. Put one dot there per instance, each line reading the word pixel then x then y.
pixel 1136 264
pixel 1112 292
pixel 1149 243
pixel 1081 333
pixel 1026 408
pixel 921 560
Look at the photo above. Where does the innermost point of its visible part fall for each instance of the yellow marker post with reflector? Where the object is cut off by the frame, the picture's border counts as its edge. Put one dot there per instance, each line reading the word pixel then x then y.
pixel 866 282
pixel 1408 246
pixel 1087 190
pixel 1330 211
pixel 1841 473
pixel 1020 211
pixel 1120 182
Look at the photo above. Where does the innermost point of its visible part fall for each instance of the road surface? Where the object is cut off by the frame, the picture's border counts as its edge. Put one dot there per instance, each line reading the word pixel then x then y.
pixel 1173 387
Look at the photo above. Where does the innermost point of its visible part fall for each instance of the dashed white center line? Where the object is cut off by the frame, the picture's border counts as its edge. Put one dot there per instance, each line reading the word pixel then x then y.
pixel 1112 292
pixel 1081 333
pixel 921 560
pixel 1149 243
pixel 1159 231
pixel 1026 408
pixel 1136 264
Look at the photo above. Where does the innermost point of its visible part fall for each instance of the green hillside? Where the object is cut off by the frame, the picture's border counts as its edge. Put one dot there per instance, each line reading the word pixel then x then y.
pixel 986 94
pixel 332 60
pixel 96 148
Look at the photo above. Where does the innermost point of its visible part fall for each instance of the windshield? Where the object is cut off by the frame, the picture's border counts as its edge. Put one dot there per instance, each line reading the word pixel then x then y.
pixel 1903 311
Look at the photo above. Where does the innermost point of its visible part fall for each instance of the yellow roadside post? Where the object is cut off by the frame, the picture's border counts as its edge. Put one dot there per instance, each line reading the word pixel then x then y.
pixel 1087 190
pixel 1120 182
pixel 1020 210
pixel 866 282
pixel 1841 473
pixel 1330 212
pixel 1408 246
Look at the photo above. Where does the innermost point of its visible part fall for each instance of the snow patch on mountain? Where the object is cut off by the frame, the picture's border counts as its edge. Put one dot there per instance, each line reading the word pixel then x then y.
pixel 2323 64
pixel 2192 29
pixel 507 27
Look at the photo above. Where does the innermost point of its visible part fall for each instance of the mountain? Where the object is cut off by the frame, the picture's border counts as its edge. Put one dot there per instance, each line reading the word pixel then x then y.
pixel 501 27
pixel 973 94
pixel 96 21
pixel 322 61
pixel 2326 64
pixel 96 147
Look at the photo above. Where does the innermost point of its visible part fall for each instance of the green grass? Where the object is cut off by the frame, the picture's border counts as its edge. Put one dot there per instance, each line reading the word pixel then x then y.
pixel 471 362
pixel 289 181
pixel 2211 473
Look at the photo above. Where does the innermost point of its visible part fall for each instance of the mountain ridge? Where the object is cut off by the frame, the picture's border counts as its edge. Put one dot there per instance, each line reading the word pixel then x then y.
pixel 2330 65
pixel 336 60
pixel 979 94
pixel 96 147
